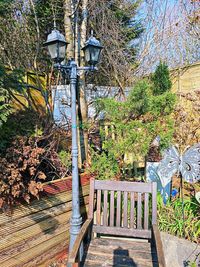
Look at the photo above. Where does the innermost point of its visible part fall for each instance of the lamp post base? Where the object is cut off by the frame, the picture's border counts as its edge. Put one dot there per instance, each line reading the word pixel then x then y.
pixel 75 226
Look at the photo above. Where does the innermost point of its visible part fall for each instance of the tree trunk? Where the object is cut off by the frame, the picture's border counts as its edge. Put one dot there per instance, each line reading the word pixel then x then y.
pixel 82 86
pixel 83 117
pixel 71 17
pixel 68 27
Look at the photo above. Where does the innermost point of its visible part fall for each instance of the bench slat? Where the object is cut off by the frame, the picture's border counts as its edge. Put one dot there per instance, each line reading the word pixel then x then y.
pixel 112 208
pixel 119 231
pixel 139 211
pixel 125 221
pixel 123 186
pixel 105 208
pixel 146 211
pixel 98 207
pixel 132 210
pixel 118 208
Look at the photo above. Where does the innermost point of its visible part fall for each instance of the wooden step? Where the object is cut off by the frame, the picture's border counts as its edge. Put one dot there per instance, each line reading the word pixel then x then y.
pixel 25 234
pixel 100 264
pixel 132 251
pixel 120 257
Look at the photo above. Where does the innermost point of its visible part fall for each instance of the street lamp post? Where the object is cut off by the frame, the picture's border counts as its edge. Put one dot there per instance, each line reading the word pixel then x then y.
pixel 57 45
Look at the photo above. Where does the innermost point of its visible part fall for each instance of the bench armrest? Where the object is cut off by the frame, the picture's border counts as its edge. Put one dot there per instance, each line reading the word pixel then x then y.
pixel 159 247
pixel 75 250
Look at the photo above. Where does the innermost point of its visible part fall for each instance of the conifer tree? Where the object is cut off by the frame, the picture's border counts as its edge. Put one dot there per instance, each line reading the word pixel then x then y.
pixel 161 79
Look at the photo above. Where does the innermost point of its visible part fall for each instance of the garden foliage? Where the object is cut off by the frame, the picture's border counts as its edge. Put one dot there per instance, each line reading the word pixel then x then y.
pixel 27 163
pixel 5 108
pixel 170 218
pixel 9 81
pixel 146 113
pixel 161 80
pixel 20 124
pixel 187 130
pixel 30 154
pixel 102 166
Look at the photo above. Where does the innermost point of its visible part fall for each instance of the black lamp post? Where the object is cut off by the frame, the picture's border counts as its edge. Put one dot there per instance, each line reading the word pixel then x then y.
pixel 57 45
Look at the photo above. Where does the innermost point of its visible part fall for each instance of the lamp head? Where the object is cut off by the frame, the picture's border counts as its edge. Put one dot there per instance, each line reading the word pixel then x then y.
pixel 92 50
pixel 57 46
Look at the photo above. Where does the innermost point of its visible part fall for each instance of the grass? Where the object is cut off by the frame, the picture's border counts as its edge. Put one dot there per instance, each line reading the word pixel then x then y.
pixel 171 219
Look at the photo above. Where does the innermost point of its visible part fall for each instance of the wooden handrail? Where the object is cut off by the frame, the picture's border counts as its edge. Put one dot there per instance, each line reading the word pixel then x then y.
pixel 75 250
pixel 159 247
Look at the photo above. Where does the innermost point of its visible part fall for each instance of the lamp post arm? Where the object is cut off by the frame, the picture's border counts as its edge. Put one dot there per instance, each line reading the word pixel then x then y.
pixel 68 67
pixel 87 68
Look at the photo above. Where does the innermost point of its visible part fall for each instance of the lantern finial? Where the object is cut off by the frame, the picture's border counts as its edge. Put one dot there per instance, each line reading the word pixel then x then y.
pixel 54 24
pixel 92 33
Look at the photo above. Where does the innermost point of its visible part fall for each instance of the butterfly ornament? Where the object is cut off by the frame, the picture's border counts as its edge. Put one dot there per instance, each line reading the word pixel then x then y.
pixel 188 164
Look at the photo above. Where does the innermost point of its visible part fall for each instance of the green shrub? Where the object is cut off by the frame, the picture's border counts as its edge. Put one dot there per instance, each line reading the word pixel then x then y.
pixel 161 79
pixel 65 157
pixel 104 166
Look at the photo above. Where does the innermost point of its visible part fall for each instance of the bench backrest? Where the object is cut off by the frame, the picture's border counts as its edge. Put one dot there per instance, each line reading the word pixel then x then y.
pixel 123 208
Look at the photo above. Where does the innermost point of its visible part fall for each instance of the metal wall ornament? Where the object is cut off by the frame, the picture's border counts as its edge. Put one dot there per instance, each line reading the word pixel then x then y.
pixel 188 164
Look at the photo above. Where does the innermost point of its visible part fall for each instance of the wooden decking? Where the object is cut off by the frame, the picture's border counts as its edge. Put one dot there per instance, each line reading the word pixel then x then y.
pixel 118 252
pixel 35 234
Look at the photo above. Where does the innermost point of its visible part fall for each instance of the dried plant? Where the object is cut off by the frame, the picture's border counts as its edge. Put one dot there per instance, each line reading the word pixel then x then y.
pixel 26 164
pixel 187 119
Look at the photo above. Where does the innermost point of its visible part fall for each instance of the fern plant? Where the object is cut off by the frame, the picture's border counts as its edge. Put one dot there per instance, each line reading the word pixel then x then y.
pixel 5 108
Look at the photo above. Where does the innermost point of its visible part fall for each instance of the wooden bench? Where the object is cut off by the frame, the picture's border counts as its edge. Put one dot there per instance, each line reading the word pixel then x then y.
pixel 126 209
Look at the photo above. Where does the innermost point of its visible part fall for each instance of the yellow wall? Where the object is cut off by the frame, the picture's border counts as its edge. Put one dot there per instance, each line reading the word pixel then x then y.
pixel 186 79
pixel 35 97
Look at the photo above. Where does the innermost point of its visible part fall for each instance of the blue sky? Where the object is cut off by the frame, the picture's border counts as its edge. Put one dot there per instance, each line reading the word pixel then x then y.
pixel 167 35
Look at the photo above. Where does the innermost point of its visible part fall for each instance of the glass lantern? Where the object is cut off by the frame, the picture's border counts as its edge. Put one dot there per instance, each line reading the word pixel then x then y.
pixel 57 46
pixel 92 51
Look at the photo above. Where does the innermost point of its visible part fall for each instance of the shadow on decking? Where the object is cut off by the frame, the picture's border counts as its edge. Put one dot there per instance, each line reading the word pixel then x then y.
pixel 121 257
pixel 52 208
